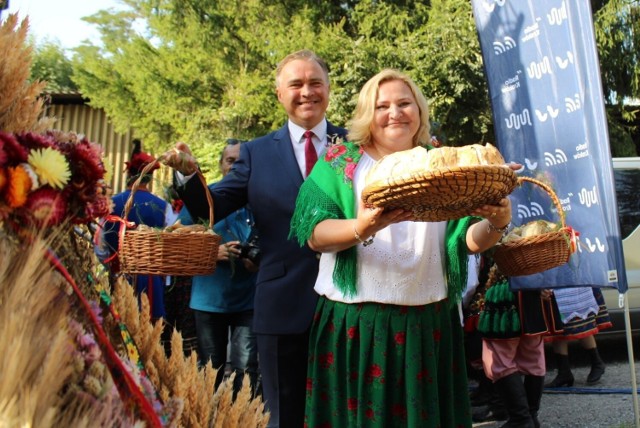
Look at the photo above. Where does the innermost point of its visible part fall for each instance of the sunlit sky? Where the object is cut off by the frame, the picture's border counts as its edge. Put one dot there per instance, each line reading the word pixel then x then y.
pixel 60 19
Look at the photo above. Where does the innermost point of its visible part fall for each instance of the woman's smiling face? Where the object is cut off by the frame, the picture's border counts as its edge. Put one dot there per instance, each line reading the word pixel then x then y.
pixel 396 117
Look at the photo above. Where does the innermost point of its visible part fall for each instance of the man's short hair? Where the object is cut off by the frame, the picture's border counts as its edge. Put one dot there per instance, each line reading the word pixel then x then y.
pixel 305 55
pixel 230 142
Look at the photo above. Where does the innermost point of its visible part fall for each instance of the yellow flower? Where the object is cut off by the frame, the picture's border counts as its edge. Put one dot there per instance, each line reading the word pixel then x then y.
pixel 108 170
pixel 51 167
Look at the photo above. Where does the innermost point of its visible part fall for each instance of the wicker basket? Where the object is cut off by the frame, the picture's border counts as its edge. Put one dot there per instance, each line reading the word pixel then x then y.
pixel 538 253
pixel 157 252
pixel 443 194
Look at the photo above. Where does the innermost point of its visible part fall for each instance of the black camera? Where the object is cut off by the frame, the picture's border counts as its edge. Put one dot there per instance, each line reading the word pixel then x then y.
pixel 251 250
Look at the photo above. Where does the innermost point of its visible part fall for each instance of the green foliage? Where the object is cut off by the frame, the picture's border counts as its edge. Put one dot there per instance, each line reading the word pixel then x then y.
pixel 617 31
pixel 202 71
pixel 621 142
pixel 437 46
pixel 51 65
pixel 452 70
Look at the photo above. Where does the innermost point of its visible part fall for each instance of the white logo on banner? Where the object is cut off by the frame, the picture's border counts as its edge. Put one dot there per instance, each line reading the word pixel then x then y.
pixel 564 63
pixel 542 116
pixel 512 83
pixel 582 151
pixel 555 159
pixel 518 120
pixel 499 47
pixel 557 16
pixel 531 32
pixel 588 197
pixel 525 212
pixel 573 104
pixel 530 165
pixel 538 69
pixel 592 247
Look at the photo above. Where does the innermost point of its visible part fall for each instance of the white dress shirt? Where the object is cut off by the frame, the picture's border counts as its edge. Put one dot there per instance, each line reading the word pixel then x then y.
pixel 296 133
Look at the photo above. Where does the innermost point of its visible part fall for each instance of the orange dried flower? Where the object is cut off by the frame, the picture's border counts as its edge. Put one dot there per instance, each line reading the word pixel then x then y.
pixel 19 186
pixel 3 178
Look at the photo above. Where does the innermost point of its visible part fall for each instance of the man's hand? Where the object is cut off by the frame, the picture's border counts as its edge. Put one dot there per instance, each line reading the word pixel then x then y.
pixel 228 250
pixel 181 159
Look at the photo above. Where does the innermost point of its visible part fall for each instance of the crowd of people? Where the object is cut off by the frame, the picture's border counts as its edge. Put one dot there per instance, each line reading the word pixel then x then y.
pixel 341 314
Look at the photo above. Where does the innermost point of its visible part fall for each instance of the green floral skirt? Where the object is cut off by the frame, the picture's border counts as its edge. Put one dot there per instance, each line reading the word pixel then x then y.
pixel 378 365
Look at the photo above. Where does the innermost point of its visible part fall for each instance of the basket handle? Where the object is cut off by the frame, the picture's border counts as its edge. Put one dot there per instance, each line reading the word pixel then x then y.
pixel 146 169
pixel 551 193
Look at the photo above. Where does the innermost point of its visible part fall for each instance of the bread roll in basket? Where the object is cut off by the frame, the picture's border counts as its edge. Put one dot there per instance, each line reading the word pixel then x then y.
pixel 444 183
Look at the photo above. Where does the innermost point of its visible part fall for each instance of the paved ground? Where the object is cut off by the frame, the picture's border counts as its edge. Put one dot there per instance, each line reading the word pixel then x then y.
pixel 608 404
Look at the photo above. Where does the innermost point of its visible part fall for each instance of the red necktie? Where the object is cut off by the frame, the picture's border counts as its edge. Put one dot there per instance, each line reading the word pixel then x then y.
pixel 310 155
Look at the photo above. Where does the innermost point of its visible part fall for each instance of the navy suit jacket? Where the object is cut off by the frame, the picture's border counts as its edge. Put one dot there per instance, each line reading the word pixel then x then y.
pixel 267 177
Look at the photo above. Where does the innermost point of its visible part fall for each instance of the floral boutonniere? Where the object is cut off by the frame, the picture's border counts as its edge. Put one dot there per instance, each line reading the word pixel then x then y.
pixel 343 159
pixel 333 139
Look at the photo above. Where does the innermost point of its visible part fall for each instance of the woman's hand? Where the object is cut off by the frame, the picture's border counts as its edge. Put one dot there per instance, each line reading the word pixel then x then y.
pixel 498 215
pixel 372 219
pixel 484 234
pixel 335 235
pixel 181 159
pixel 516 167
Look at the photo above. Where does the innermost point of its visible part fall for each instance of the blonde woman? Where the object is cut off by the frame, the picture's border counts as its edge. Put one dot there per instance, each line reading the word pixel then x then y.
pixel 386 344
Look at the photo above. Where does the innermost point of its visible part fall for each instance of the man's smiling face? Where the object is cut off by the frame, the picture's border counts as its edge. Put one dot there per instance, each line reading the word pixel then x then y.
pixel 303 91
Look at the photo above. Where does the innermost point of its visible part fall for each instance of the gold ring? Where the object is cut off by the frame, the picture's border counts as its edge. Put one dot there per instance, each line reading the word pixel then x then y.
pixel 493 214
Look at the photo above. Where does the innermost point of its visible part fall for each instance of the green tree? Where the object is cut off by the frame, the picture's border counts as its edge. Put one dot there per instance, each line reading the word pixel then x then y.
pixel 51 65
pixel 617 29
pixel 202 71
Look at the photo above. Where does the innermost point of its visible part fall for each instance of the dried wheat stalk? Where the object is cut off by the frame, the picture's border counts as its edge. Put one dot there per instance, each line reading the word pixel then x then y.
pixel 180 377
pixel 38 364
pixel 20 104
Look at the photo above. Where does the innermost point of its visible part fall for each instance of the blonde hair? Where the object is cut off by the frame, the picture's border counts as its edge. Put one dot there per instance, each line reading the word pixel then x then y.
pixel 304 55
pixel 360 124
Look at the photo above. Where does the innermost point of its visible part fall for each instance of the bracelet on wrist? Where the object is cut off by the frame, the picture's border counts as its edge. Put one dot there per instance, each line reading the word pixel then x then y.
pixel 503 230
pixel 365 242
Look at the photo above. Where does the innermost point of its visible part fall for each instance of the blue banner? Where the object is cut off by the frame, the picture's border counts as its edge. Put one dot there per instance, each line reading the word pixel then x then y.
pixel 542 67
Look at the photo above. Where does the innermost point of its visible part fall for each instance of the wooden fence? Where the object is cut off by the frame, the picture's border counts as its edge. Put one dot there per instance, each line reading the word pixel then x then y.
pixel 73 114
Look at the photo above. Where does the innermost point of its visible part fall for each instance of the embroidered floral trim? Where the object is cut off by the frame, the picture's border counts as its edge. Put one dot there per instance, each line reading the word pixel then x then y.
pixel 343 159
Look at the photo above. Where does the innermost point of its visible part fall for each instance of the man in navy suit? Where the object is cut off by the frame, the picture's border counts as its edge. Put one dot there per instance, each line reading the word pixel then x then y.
pixel 267 176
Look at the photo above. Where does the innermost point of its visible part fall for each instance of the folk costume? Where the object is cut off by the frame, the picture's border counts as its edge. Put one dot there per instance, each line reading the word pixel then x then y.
pixel 583 313
pixel 386 344
pixel 513 326
pixel 147 209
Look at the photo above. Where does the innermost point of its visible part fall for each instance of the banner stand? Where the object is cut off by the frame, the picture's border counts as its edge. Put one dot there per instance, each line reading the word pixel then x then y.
pixel 632 365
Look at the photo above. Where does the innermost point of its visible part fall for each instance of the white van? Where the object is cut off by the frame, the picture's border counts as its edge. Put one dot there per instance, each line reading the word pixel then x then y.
pixel 627 177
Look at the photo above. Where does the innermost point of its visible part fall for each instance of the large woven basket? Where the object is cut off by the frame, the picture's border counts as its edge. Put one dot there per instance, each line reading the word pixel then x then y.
pixel 443 194
pixel 157 252
pixel 538 253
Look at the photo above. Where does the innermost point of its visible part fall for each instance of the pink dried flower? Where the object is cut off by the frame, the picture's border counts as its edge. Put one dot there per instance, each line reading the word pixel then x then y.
pixel 32 140
pixel 14 152
pixel 45 207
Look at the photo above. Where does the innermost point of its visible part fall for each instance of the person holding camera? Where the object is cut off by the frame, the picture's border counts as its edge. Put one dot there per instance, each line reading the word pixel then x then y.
pixel 223 301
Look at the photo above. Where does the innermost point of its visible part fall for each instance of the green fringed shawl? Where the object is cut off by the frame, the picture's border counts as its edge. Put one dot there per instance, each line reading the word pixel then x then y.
pixel 328 194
